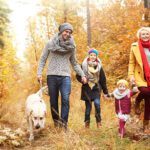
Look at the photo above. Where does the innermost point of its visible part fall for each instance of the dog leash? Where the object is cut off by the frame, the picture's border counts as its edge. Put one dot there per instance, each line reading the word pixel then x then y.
pixel 41 88
pixel 41 84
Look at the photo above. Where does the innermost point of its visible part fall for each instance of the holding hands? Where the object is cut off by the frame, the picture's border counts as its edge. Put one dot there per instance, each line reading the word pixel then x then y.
pixel 84 80
pixel 132 80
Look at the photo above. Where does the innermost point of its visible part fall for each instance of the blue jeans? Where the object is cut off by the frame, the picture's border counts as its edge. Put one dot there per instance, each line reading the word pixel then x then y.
pixel 63 84
pixel 88 105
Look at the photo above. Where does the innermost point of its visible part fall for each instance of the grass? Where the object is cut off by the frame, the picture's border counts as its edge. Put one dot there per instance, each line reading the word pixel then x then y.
pixel 77 137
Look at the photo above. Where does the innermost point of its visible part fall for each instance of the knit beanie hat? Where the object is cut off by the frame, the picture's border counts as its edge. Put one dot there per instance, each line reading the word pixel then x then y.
pixel 122 81
pixel 65 26
pixel 93 51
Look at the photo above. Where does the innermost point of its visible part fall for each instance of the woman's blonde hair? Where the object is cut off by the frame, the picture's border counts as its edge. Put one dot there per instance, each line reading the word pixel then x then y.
pixel 141 29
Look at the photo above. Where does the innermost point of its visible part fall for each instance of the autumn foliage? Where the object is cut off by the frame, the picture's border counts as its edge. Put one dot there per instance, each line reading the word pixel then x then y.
pixel 114 25
pixel 9 63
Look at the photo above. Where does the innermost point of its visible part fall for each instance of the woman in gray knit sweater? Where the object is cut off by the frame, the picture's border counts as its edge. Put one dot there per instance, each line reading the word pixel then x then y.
pixel 61 51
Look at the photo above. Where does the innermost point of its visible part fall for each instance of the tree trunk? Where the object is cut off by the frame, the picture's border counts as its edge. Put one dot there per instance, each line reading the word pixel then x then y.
pixel 65 11
pixel 88 24
pixel 147 10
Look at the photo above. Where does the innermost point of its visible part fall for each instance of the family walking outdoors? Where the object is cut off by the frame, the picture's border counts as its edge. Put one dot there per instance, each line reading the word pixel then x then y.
pixel 61 51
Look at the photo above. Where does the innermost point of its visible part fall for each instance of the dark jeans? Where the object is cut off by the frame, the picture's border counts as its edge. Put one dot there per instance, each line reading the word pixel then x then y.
pixel 63 84
pixel 88 105
pixel 145 94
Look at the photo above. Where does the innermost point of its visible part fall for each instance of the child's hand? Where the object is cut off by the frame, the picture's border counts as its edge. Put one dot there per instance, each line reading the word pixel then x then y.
pixel 84 80
pixel 135 89
pixel 128 95
pixel 110 95
pixel 106 95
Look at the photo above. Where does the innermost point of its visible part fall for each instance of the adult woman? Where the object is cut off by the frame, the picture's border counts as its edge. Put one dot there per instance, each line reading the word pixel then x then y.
pixel 139 71
pixel 61 51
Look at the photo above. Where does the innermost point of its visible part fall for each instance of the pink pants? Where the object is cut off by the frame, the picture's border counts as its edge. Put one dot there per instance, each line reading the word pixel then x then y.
pixel 145 94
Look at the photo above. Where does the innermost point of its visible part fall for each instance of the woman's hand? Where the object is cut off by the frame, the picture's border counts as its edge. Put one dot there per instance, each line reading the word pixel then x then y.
pixel 132 80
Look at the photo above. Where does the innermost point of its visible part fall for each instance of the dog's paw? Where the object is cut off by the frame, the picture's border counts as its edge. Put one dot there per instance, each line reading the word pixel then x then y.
pixel 31 138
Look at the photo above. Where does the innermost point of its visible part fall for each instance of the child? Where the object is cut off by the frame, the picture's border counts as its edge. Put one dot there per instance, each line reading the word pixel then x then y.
pixel 91 91
pixel 123 103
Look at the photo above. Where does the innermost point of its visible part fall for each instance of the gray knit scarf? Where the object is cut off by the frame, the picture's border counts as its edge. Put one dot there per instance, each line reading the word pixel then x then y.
pixel 57 44
pixel 119 95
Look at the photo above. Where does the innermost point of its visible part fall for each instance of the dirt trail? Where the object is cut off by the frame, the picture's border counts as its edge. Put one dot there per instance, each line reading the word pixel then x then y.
pixel 76 137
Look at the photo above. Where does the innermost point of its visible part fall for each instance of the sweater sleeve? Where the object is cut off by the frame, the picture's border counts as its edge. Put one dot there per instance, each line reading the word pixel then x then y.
pixel 75 64
pixel 132 93
pixel 78 78
pixel 102 81
pixel 43 59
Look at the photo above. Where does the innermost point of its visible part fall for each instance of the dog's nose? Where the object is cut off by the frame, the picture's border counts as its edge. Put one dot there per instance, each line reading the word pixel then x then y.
pixel 37 126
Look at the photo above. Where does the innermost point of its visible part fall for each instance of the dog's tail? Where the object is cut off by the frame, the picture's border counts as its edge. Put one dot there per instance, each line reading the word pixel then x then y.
pixel 40 92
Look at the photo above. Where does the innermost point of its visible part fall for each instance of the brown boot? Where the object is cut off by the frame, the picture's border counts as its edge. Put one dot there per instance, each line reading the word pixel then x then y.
pixel 145 126
pixel 137 108
pixel 87 125
pixel 98 125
